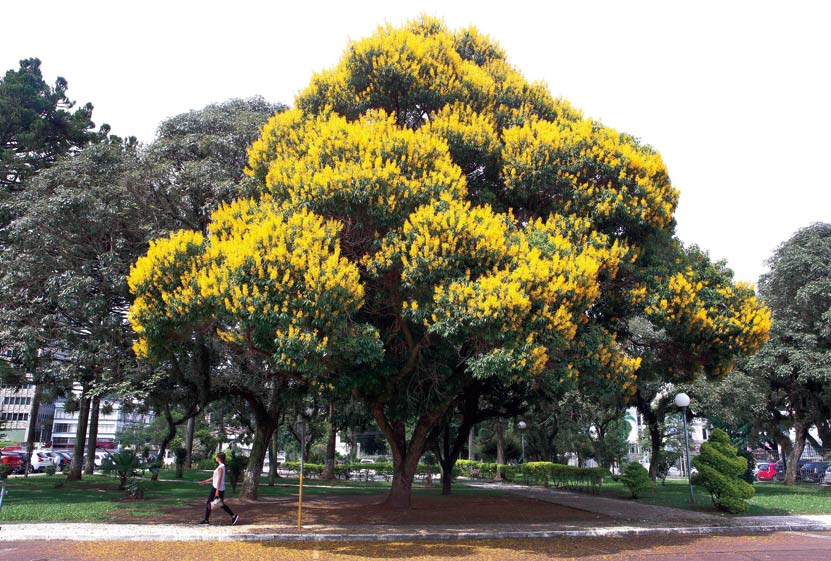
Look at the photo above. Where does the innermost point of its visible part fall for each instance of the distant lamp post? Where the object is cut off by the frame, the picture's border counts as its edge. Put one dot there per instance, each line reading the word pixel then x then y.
pixel 682 400
pixel 522 426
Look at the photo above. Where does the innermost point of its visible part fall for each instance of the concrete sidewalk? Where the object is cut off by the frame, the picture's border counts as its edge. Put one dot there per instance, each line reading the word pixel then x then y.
pixel 614 518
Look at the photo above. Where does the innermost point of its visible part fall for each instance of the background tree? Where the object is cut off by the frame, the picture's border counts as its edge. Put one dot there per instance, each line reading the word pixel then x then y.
pixel 36 124
pixel 694 322
pixel 796 364
pixel 64 294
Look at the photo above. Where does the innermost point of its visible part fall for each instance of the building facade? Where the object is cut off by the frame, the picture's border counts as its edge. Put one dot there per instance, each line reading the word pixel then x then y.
pixel 16 405
pixel 111 421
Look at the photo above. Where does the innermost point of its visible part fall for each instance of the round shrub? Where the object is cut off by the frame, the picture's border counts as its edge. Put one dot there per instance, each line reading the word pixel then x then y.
pixel 636 478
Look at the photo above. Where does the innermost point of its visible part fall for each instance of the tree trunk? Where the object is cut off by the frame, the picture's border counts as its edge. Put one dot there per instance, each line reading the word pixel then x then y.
pixel 191 428
pixel 353 446
pixel 405 454
pixel 33 420
pixel 272 457
pixel 471 436
pixel 251 478
pixel 275 447
pixel 795 454
pixel 76 465
pixel 329 469
pixel 92 441
pixel 500 449
pixel 168 437
pixel 656 439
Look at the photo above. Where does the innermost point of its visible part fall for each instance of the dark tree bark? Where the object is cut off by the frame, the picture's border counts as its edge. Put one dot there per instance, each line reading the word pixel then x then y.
pixel 329 469
pixel 500 449
pixel 76 465
pixel 33 419
pixel 191 428
pixel 795 453
pixel 92 441
pixel 405 452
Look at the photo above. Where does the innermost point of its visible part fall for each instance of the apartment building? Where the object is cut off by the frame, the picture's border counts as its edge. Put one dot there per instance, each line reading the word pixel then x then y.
pixel 15 413
pixel 110 422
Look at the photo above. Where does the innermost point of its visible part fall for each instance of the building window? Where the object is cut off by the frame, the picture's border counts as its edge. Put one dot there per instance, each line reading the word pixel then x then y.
pixel 64 427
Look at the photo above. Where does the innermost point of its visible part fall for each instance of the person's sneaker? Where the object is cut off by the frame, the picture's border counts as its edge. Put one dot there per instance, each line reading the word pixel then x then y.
pixel 234 519
pixel 203 523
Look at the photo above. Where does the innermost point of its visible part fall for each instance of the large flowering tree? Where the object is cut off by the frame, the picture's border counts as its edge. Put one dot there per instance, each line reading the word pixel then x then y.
pixel 483 231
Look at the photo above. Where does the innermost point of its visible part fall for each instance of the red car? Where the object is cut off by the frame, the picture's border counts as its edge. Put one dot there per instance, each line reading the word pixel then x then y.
pixel 13 460
pixel 765 471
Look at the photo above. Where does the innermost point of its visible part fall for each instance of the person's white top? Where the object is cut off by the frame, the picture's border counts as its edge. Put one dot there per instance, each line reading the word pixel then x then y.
pixel 219 477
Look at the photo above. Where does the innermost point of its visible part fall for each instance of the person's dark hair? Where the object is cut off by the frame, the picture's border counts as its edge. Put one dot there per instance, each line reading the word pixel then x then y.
pixel 221 456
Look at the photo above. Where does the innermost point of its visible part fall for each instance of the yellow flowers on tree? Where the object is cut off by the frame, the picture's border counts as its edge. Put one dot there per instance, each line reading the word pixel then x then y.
pixel 483 243
pixel 272 286
pixel 426 207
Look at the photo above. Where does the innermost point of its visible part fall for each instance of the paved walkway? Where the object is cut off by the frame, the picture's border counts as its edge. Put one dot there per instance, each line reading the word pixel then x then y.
pixel 615 518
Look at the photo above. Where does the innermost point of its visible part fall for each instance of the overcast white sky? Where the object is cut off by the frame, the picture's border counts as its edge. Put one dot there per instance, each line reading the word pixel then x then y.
pixel 734 94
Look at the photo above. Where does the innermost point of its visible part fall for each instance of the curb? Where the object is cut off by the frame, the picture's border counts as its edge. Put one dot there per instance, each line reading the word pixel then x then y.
pixel 175 534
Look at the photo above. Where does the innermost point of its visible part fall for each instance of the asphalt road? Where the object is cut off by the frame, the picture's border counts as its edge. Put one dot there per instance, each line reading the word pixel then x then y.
pixel 781 546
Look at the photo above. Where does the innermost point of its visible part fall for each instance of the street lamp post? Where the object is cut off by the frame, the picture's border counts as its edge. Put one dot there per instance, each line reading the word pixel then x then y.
pixel 522 426
pixel 682 400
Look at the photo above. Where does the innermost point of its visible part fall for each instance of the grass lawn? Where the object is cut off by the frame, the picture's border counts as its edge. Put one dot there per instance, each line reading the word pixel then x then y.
pixel 96 498
pixel 770 499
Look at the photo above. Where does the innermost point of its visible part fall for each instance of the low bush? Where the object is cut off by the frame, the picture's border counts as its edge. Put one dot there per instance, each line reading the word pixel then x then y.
pixel 124 464
pixel 636 478
pixel 206 464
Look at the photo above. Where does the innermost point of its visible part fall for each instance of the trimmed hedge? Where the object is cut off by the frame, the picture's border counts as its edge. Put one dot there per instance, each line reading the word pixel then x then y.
pixel 558 475
pixel 355 471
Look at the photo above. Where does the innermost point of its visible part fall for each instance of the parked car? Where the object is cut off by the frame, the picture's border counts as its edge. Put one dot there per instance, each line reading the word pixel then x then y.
pixel 13 460
pixel 813 472
pixel 40 461
pixel 60 461
pixel 780 469
pixel 765 471
pixel 827 477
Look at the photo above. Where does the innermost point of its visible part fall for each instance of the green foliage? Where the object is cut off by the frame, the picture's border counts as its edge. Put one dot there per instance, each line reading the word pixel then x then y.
pixel 124 464
pixel 720 471
pixel 36 126
pixel 205 464
pixel 667 459
pixel 181 455
pixel 235 466
pixel 636 478
pixel 50 470
pixel 795 365
pixel 5 471
pixel 135 488
pixel 558 475
pixel 751 464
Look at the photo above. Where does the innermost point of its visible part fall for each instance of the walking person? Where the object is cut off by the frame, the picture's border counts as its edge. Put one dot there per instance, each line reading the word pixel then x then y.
pixel 217 482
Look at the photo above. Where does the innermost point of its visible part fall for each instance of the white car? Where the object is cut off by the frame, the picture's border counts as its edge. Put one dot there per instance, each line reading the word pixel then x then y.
pixel 40 461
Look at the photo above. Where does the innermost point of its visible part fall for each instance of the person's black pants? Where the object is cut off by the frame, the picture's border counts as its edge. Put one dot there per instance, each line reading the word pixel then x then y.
pixel 214 494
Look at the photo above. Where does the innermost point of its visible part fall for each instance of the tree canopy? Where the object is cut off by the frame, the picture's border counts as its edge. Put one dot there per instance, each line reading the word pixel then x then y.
pixel 459 221
pixel 37 124
pixel 796 363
